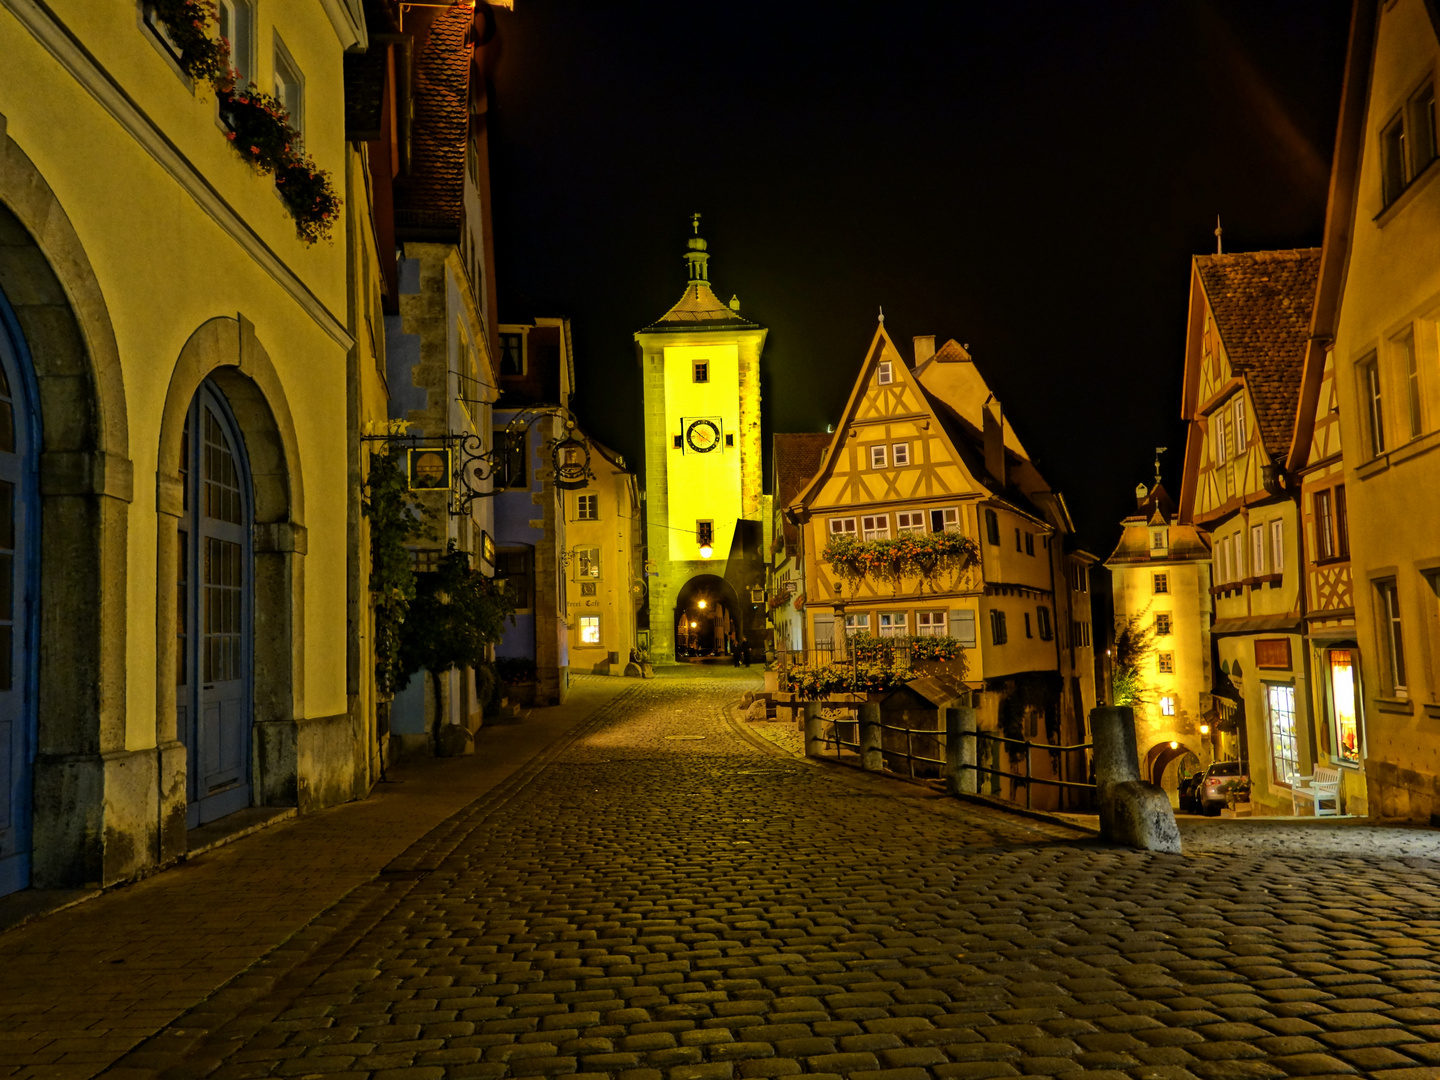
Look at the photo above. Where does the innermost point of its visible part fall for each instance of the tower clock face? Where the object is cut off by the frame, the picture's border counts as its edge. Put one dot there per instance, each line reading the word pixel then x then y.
pixel 702 436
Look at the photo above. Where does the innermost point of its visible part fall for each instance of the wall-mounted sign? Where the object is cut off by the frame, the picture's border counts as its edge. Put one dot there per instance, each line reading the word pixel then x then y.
pixel 429 469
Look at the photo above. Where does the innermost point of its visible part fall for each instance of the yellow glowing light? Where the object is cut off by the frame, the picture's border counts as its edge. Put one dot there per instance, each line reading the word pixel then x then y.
pixel 1204 729
pixel 706 551
pixel 1174 746
pixel 694 626
pixel 702 605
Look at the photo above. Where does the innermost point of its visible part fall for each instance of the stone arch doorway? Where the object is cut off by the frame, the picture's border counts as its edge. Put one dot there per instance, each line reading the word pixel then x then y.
pixel 87 818
pixel 1164 762
pixel 224 364
pixel 707 613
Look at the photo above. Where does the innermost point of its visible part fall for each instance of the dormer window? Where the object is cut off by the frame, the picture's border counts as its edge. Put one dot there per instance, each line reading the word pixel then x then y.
pixel 884 373
pixel 1159 539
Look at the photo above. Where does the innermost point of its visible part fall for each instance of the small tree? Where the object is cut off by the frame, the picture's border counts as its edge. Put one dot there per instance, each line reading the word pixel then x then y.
pixel 456 615
pixel 394 523
pixel 1134 643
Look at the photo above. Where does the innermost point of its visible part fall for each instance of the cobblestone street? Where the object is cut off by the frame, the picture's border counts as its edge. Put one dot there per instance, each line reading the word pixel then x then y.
pixel 668 900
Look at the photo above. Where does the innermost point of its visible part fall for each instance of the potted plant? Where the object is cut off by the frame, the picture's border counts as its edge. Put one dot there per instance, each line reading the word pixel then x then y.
pixel 1235 791
pixel 520 677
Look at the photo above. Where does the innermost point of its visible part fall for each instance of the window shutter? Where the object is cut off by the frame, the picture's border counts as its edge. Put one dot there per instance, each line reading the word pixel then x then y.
pixel 962 627
pixel 824 631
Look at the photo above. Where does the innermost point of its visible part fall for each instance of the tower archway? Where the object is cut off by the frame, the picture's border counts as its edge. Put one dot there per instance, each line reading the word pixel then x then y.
pixel 710 612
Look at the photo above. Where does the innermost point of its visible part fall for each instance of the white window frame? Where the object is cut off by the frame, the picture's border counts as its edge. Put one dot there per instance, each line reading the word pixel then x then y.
pixel 857 622
pixel 1280 729
pixel 900 454
pixel 1409 367
pixel 884 373
pixel 842 526
pixel 590 502
pixel 1372 396
pixel 1217 437
pixel 1277 546
pixel 1257 550
pixel 1392 635
pixel 1159 539
pixel 932 624
pixel 587 563
pixel 910 521
pixel 587 622
pixel 289 71
pixel 1237 424
pixel 237 25
pixel 875 527
pixel 949 519
pixel 894 624
pixel 878 458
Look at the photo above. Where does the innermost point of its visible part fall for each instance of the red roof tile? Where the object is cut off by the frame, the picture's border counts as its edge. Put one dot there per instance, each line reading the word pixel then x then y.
pixel 1262 302
pixel 796 461
pixel 433 195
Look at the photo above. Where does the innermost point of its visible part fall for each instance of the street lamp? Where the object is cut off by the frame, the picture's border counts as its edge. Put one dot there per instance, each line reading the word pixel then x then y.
pixel 706 551
pixel 702 605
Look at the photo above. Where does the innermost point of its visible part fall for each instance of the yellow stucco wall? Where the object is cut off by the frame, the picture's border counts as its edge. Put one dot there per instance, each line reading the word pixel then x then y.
pixel 703 486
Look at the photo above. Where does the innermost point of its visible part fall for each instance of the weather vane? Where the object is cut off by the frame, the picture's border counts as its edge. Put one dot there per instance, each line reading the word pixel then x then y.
pixel 1158 451
pixel 695 220
pixel 1219 232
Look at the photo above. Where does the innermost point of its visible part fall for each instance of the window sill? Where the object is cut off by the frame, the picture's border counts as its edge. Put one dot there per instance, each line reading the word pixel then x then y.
pixel 1432 710
pixel 1373 467
pixel 1407 194
pixel 1414 448
pixel 1402 706
pixel 1330 560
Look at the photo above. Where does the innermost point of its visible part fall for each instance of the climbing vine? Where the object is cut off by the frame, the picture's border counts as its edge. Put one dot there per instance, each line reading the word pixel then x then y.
pixel 394 524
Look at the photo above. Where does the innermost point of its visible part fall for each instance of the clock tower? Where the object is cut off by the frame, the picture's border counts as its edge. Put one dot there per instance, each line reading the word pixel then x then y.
pixel 701 368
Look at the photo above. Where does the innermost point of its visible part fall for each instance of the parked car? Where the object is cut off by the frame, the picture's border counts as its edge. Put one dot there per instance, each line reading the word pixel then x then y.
pixel 1208 794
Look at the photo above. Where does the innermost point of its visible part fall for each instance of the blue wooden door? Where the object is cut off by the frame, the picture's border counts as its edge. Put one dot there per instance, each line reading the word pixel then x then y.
pixel 19 521
pixel 214 587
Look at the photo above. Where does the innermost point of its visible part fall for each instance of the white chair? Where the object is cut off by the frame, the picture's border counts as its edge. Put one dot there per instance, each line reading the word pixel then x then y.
pixel 1320 787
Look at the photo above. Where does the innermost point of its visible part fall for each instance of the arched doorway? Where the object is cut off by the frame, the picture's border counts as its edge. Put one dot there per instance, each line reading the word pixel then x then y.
pixel 707 617
pixel 1164 764
pixel 214 610
pixel 19 558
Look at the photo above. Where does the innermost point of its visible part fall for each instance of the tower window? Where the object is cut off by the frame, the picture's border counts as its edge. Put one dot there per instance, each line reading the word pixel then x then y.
pixel 705 533
pixel 701 371
pixel 679 442
pixel 1161 582
pixel 729 440
pixel 884 374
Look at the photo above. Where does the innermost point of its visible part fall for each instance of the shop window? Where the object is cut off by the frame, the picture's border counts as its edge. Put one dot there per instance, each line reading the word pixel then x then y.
pixel 877 457
pixel 1392 643
pixel 1284 746
pixel 893 624
pixel 992 527
pixel 931 623
pixel 1344 705
pixel 590 629
pixel 842 526
pixel 587 507
pixel 947 520
pixel 900 454
pixel 1165 663
pixel 998 636
pixel 1167 706
pixel 909 521
pixel 1160 583
pixel 875 527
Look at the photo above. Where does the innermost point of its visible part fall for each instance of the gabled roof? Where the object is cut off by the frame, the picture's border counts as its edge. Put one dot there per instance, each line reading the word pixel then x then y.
pixel 796 460
pixel 699 306
pixel 432 197
pixel 1262 302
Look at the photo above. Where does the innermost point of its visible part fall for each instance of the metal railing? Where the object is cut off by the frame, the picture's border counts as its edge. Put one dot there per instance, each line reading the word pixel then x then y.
pixel 1028 777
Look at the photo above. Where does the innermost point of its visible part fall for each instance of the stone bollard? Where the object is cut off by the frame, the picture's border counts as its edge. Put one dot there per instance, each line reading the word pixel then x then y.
pixel 814 730
pixel 961 750
pixel 1132 812
pixel 872 756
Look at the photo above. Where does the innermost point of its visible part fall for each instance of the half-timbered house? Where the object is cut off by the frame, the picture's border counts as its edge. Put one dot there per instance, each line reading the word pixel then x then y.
pixel 1248 329
pixel 905 460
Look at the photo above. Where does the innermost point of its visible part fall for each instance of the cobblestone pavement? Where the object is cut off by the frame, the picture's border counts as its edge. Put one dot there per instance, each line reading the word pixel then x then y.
pixel 669 901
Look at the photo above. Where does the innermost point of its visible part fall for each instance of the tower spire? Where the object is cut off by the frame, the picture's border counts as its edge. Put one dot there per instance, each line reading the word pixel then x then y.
pixel 1219 233
pixel 695 255
pixel 1158 451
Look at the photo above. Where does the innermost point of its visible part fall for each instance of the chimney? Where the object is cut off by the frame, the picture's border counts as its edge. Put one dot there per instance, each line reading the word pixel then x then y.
pixel 1141 491
pixel 924 348
pixel 995 440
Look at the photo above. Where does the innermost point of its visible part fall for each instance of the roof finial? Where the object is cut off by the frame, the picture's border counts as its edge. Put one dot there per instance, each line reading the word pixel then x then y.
pixel 1219 232
pixel 695 255
pixel 1158 451
pixel 882 315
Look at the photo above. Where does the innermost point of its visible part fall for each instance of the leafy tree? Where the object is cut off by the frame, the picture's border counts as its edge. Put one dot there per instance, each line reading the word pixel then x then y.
pixel 1134 644
pixel 394 523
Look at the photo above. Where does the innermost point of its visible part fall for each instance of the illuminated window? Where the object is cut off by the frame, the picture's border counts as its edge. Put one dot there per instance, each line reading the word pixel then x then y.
pixel 1161 583
pixel 875 527
pixel 1344 705
pixel 1165 663
pixel 1042 616
pixel 590 629
pixel 883 373
pixel 1284 746
pixel 587 563
pixel 701 371
pixel 992 527
pixel 900 454
pixel 842 526
pixel 930 624
pixel 1373 405
pixel 1162 624
pixel 894 624
pixel 877 457
pixel 290 87
pixel 947 520
pixel 587 507
pixel 909 521
pixel 1167 706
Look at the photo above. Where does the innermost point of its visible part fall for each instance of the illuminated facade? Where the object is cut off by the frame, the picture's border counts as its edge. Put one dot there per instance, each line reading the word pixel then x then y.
pixel 701 372
pixel 1160 574
pixel 602 531
pixel 1248 329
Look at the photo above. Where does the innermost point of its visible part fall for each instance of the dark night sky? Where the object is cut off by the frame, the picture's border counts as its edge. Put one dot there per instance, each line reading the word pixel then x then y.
pixel 1028 178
